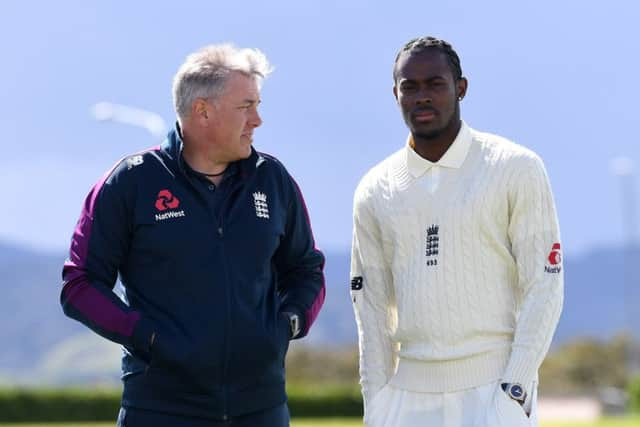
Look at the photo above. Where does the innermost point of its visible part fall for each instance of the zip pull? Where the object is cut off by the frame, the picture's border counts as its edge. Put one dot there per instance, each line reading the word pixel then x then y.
pixel 220 232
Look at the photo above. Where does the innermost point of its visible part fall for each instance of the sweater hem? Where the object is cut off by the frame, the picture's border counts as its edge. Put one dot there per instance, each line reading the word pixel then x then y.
pixel 450 375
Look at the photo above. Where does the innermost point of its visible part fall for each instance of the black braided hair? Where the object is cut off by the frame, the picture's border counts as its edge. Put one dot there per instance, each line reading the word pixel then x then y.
pixel 422 43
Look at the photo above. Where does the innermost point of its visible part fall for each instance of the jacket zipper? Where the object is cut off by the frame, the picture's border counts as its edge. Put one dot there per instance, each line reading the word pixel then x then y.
pixel 229 325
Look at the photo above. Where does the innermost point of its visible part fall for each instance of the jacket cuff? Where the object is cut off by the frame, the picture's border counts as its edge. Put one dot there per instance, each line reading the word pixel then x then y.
pixel 301 318
pixel 142 333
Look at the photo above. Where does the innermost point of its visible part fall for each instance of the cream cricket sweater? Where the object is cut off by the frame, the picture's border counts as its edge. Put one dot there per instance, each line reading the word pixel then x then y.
pixel 456 268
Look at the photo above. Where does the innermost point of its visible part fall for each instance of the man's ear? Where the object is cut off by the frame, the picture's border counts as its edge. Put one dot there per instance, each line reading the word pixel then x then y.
pixel 200 109
pixel 462 86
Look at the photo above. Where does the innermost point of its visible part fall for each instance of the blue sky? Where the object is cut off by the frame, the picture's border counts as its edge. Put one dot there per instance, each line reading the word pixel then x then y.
pixel 557 77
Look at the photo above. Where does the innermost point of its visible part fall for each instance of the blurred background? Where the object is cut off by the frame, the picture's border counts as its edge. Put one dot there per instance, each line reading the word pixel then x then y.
pixel 86 83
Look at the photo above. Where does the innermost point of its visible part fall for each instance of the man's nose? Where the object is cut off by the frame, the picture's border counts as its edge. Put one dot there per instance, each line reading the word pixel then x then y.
pixel 255 120
pixel 423 97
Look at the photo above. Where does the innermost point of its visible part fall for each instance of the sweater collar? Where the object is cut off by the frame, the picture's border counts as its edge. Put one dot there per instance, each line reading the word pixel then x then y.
pixel 452 158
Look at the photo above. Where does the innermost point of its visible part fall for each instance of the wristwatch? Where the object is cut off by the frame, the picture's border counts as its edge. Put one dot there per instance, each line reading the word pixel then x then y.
pixel 515 391
pixel 294 323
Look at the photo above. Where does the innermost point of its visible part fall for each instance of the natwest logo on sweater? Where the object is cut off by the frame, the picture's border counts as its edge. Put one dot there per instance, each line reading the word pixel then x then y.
pixel 554 259
pixel 167 201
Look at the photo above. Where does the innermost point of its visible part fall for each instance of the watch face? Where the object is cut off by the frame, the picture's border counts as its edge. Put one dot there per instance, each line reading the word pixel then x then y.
pixel 516 392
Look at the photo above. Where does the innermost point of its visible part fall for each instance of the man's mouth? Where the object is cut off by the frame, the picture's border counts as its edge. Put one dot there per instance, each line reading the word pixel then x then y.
pixel 423 115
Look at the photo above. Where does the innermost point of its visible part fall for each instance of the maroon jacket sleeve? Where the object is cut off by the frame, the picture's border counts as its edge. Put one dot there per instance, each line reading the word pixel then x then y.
pixel 98 247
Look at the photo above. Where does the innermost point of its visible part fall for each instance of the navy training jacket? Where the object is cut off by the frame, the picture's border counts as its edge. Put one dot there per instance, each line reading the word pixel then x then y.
pixel 207 272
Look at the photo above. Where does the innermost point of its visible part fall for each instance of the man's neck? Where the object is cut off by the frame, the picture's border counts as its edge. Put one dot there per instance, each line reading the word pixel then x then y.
pixel 202 161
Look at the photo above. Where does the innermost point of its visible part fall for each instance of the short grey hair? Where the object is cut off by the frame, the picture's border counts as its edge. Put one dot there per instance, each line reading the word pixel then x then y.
pixel 205 72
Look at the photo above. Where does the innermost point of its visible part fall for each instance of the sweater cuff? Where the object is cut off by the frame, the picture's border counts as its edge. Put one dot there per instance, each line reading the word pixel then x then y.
pixel 521 368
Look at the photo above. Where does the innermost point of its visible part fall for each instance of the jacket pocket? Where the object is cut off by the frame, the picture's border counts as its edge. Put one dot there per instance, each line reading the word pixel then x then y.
pixel 257 349
pixel 174 351
pixel 285 333
pixel 176 359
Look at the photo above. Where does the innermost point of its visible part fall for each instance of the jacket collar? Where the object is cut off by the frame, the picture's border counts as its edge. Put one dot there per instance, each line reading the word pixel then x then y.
pixel 452 158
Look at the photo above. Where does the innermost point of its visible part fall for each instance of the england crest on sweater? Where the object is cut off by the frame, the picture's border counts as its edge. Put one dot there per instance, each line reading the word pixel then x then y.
pixel 432 245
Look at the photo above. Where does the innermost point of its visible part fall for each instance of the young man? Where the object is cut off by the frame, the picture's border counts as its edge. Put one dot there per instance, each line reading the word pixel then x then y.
pixel 212 243
pixel 456 266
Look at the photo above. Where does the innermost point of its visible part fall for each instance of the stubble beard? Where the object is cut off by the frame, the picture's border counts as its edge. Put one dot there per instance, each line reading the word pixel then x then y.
pixel 438 132
pixel 434 134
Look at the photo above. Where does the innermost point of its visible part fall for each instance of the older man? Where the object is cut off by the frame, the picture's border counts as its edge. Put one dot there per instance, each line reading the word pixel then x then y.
pixel 213 246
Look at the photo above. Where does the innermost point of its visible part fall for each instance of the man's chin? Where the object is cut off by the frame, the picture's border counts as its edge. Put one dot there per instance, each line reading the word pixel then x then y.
pixel 241 154
pixel 426 134
pixel 247 152
pixel 425 130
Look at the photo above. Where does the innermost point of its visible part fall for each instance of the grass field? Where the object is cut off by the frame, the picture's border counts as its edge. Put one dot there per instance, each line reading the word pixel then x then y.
pixel 350 422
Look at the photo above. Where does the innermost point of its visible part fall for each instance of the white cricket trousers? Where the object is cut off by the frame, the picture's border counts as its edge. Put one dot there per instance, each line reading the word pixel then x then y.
pixel 484 406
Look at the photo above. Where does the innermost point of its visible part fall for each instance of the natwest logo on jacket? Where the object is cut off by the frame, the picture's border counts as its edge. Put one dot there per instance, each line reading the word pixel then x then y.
pixel 166 201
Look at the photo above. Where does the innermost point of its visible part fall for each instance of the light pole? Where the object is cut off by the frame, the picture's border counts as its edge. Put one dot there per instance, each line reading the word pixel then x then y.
pixel 119 113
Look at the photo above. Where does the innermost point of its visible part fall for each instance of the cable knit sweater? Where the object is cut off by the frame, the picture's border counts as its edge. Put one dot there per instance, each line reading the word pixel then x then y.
pixel 456 267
